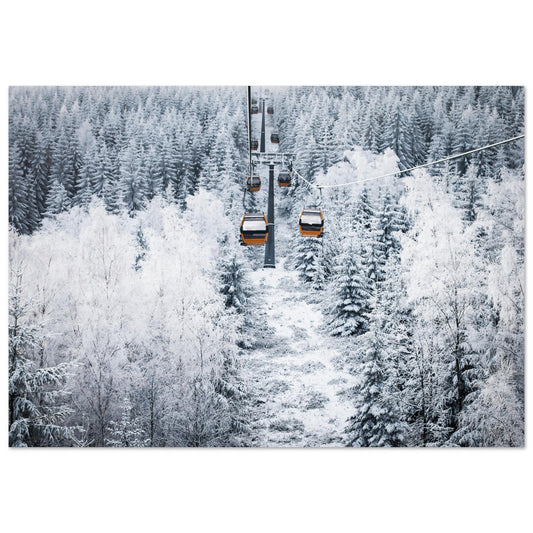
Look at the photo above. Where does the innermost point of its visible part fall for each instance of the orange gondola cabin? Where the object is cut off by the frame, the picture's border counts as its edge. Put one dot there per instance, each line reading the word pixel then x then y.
pixel 253 183
pixel 311 222
pixel 284 178
pixel 270 110
pixel 254 145
pixel 254 229
pixel 254 110
pixel 274 138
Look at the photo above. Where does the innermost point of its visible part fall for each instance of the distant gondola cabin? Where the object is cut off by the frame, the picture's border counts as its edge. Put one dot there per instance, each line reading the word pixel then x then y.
pixel 254 229
pixel 254 145
pixel 254 110
pixel 253 183
pixel 284 178
pixel 270 110
pixel 311 222
pixel 274 138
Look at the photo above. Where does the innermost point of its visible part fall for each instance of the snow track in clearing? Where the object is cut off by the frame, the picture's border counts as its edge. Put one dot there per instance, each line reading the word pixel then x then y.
pixel 294 376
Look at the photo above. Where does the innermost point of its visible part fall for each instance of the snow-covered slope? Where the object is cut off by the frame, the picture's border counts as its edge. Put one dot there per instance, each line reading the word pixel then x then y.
pixel 295 377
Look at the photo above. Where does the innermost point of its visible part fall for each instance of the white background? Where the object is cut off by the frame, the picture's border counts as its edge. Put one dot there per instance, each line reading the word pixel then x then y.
pixel 274 43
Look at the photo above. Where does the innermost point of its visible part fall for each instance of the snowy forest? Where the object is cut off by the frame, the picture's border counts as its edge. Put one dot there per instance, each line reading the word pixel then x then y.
pixel 136 318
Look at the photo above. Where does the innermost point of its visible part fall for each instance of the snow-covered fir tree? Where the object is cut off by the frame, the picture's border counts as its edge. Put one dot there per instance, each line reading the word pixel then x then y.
pixel 311 261
pixel 125 433
pixel 350 293
pixel 58 199
pixel 377 420
pixel 37 398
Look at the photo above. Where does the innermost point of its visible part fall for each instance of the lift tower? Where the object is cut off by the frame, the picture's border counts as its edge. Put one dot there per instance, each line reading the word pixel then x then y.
pixel 270 245
pixel 283 160
pixel 262 145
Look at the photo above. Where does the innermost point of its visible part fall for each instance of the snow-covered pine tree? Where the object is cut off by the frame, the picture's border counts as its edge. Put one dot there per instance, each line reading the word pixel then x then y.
pixel 372 127
pixel 469 190
pixel 232 388
pixel 180 179
pixel 132 185
pixel 416 141
pixel 41 170
pixel 18 192
pixel 62 169
pixel 196 149
pixel 58 200
pixel 36 394
pixel 86 178
pixel 234 285
pixel 203 420
pixel 311 261
pixel 392 219
pixel 344 127
pixel 103 171
pixel 378 419
pixel 142 247
pixel 152 174
pixel 167 164
pixel 396 134
pixel 464 136
pixel 350 301
pixel 373 256
pixel 126 433
pixel 324 146
pixel 396 323
pixel 305 148
pixel 363 212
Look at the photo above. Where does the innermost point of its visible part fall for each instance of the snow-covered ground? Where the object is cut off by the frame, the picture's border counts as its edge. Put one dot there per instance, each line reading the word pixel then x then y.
pixel 295 377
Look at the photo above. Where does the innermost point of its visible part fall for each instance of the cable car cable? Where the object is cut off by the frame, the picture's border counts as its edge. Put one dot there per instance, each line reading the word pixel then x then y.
pixel 249 115
pixel 412 168
pixel 306 181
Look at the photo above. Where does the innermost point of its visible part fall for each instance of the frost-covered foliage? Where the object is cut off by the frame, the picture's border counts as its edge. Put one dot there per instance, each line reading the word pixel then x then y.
pixel 152 343
pixel 461 340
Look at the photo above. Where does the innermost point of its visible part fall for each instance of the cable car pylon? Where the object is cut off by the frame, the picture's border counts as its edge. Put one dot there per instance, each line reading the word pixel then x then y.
pixel 262 125
pixel 270 247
